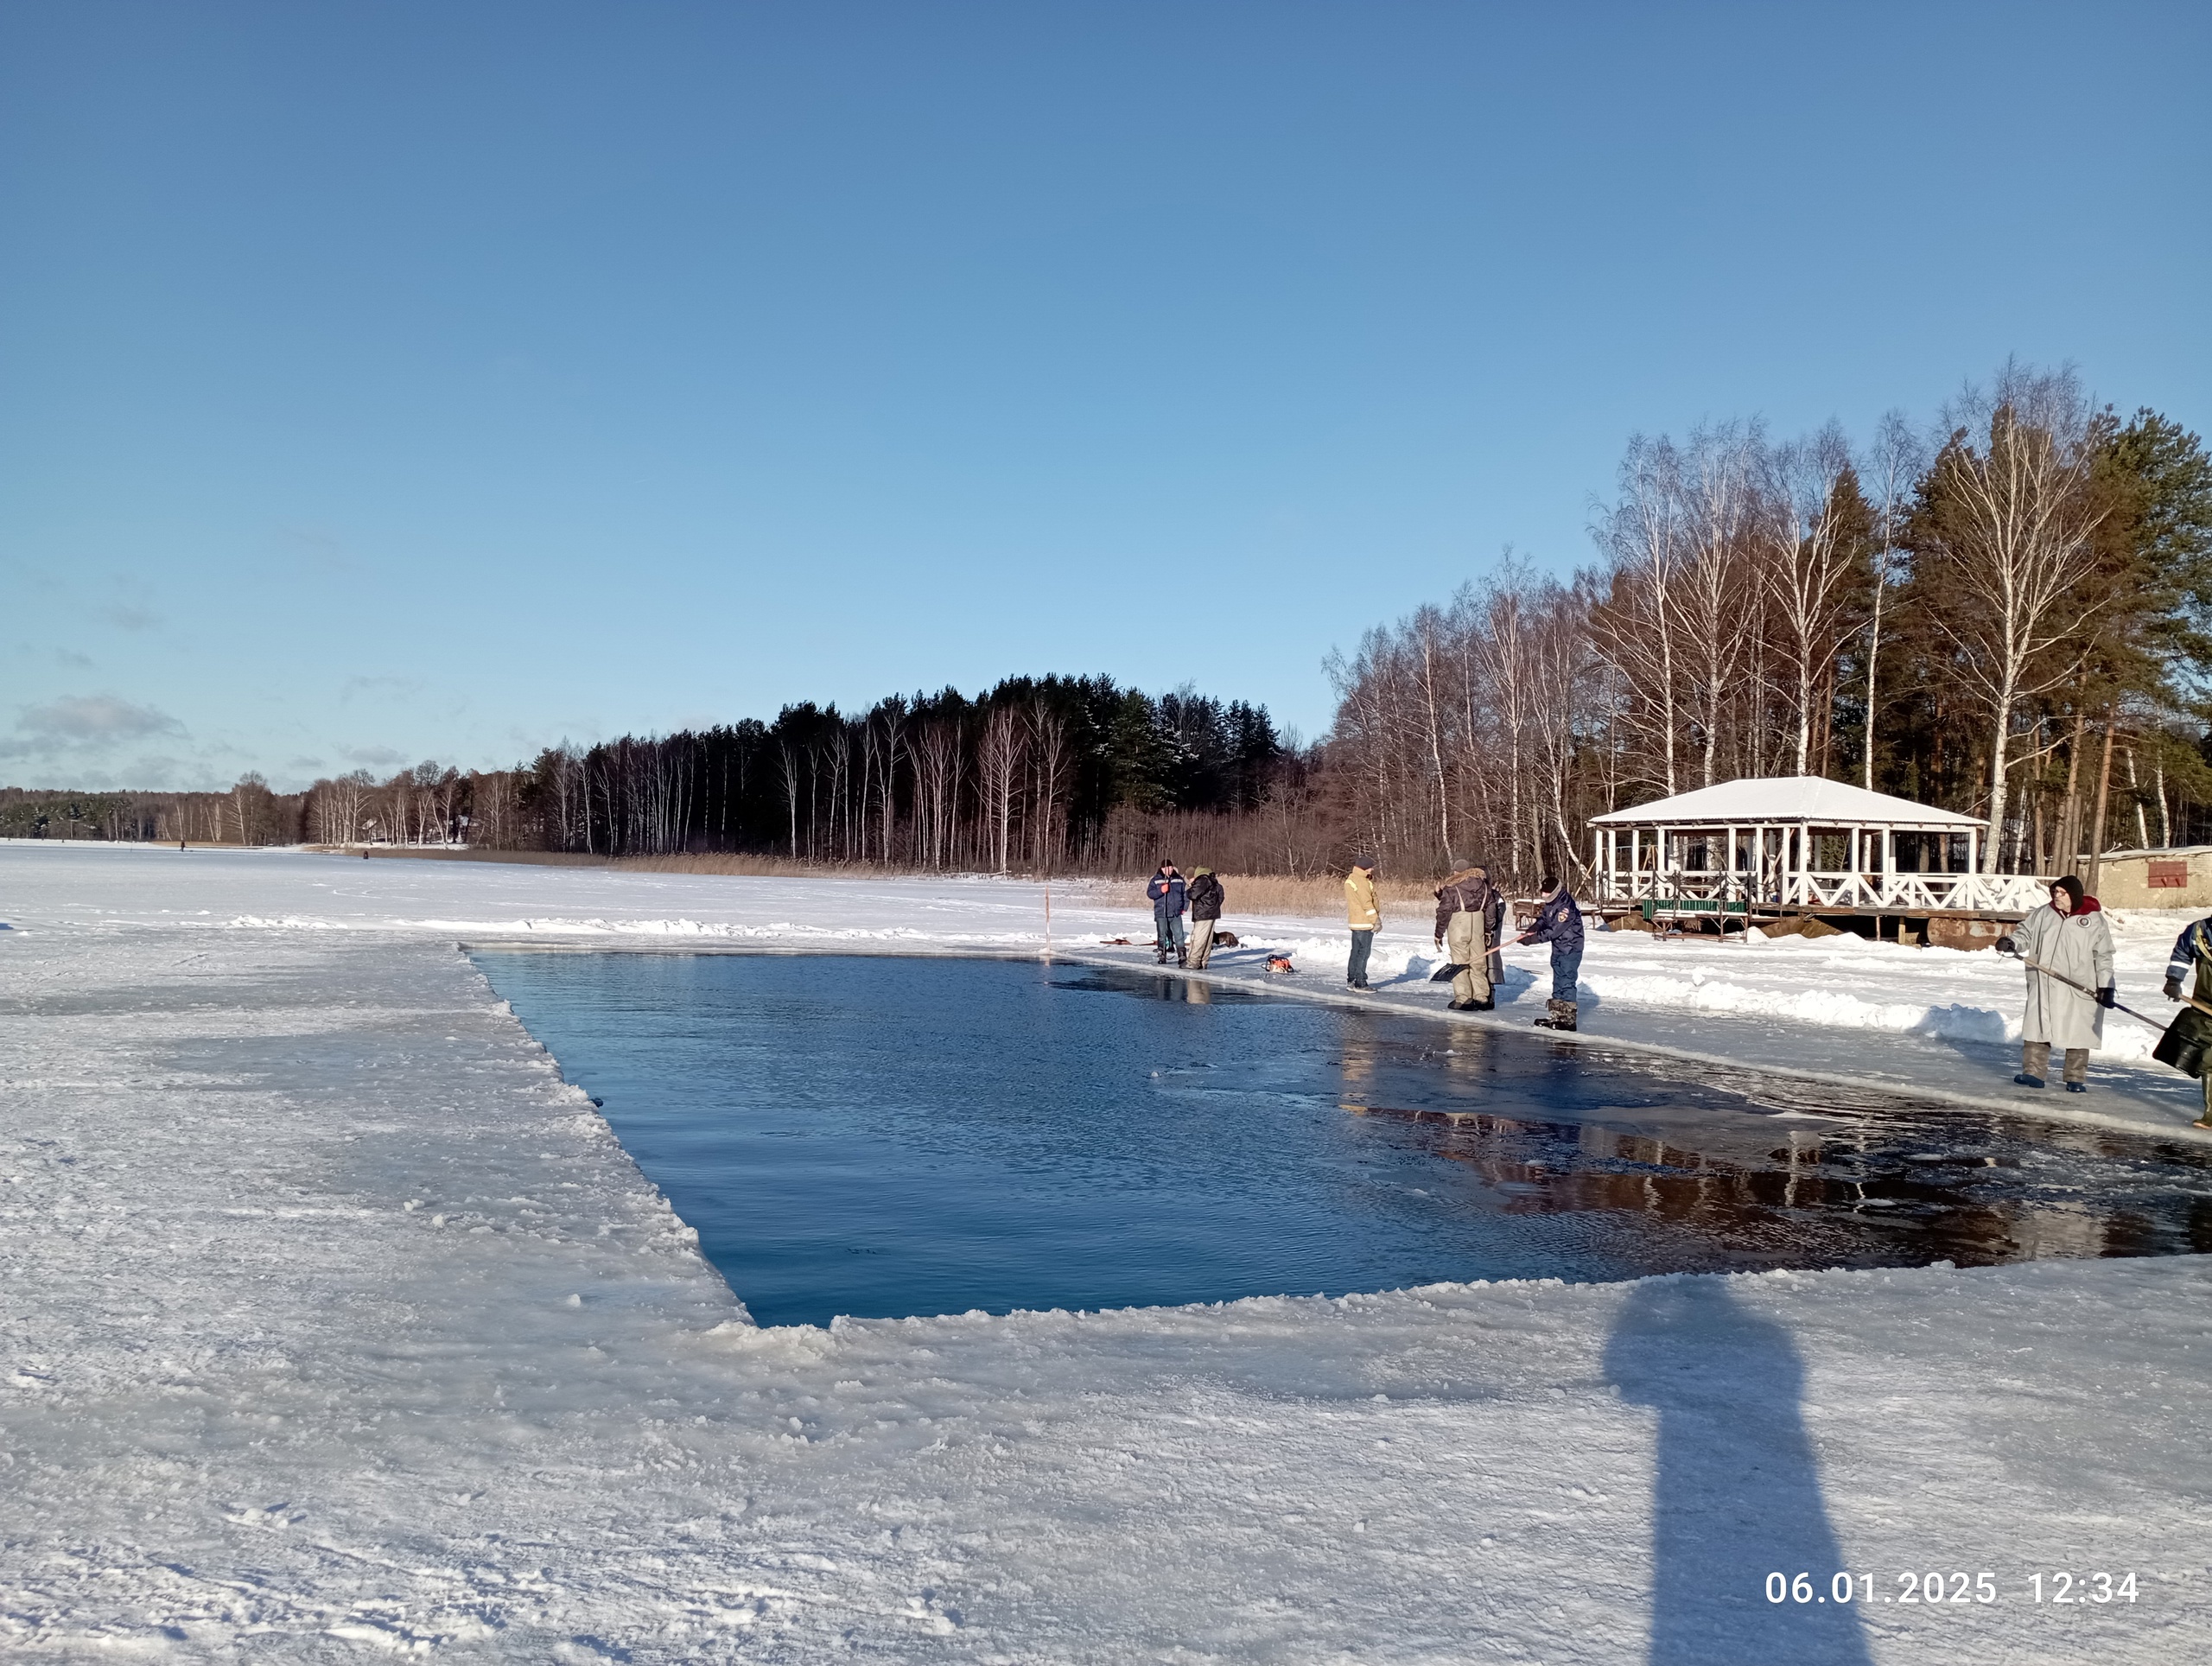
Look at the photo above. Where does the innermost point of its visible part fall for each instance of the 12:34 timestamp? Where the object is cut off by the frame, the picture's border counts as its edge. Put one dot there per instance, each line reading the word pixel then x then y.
pixel 1933 1587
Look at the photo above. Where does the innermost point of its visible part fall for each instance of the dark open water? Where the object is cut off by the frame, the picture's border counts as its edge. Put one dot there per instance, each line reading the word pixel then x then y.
pixel 881 1136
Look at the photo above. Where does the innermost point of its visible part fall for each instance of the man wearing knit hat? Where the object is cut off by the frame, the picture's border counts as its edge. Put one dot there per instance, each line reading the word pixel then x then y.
pixel 2069 943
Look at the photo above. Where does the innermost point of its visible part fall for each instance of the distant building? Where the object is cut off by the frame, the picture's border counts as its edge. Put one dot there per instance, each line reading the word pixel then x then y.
pixel 2177 877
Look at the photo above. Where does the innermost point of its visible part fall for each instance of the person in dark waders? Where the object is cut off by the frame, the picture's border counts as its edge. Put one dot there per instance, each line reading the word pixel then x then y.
pixel 1167 893
pixel 2188 1039
pixel 2068 940
pixel 1559 922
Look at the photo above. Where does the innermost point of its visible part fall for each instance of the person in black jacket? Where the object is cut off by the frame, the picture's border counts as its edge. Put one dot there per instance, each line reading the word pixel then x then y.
pixel 1206 897
pixel 1559 923
pixel 1167 892
pixel 1463 931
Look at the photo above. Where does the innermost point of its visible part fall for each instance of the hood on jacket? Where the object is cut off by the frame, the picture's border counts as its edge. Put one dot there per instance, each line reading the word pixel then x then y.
pixel 2083 902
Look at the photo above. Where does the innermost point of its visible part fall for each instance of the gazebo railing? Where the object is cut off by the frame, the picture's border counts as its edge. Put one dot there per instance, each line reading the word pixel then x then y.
pixel 1873 892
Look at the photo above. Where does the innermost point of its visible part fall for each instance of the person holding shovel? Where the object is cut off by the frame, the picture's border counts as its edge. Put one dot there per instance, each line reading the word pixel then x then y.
pixel 2189 1038
pixel 2069 945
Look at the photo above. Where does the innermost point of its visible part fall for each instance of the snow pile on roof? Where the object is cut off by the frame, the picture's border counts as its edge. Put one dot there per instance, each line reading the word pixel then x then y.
pixel 1785 798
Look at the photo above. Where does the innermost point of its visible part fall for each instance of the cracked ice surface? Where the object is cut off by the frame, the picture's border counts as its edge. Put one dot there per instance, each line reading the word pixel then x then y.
pixel 332 1322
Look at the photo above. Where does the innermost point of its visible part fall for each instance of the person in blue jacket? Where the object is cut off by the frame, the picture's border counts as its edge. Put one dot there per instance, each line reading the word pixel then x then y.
pixel 1167 892
pixel 2192 959
pixel 1559 922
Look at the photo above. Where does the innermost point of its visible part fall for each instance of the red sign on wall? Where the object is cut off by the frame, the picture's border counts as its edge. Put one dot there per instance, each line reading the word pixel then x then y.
pixel 2169 875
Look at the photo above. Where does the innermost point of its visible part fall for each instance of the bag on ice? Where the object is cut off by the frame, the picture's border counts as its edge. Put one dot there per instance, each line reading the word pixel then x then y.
pixel 2185 1042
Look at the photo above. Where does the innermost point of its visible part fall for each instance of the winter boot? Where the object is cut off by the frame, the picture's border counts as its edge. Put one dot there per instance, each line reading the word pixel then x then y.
pixel 1559 1015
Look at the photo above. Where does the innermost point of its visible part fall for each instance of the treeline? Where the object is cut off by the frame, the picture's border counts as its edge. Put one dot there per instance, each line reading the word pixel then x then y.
pixel 2008 613
pixel 1038 774
pixel 1051 774
pixel 248 813
pixel 2007 616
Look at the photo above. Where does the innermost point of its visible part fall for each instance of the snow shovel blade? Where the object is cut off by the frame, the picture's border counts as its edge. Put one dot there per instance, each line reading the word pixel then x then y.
pixel 1446 974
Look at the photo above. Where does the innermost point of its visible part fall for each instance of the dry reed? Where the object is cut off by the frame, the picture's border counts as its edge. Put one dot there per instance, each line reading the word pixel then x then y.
pixel 1319 898
pixel 1248 894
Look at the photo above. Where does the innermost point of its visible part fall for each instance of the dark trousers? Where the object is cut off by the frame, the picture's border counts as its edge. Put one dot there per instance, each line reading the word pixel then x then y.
pixel 1566 967
pixel 1362 945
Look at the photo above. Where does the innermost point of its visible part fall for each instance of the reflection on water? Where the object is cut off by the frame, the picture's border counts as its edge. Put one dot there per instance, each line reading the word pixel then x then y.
pixel 891 1138
pixel 1805 1173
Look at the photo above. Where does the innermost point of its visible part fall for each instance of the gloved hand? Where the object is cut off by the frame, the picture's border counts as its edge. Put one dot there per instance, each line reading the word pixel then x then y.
pixel 2109 997
pixel 2173 989
pixel 2006 946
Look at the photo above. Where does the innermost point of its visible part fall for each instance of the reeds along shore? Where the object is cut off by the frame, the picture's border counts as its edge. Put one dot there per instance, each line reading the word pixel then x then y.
pixel 1318 896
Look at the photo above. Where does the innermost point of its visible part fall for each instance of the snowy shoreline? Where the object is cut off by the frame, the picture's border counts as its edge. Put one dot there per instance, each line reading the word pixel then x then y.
pixel 336 1321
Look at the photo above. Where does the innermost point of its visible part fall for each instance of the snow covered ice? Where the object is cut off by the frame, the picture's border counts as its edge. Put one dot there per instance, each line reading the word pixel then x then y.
pixel 333 1322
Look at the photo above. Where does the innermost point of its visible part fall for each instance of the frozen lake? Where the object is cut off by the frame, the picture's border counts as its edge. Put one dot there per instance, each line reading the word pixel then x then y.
pixel 891 1137
pixel 334 1322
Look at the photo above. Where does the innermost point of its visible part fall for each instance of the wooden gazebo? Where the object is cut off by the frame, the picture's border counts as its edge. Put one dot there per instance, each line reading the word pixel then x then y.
pixel 1799 845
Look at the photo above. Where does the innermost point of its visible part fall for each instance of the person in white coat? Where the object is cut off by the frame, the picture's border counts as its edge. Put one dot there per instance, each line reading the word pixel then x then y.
pixel 2068 940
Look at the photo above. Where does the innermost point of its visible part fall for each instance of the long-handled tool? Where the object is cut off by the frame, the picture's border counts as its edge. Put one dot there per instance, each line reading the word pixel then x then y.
pixel 2033 964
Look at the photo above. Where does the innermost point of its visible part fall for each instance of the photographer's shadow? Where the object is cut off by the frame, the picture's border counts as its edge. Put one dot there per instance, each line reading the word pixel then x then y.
pixel 1738 1491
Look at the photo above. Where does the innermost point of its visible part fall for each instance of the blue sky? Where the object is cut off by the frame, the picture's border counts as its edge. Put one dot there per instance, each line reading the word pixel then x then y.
pixel 383 382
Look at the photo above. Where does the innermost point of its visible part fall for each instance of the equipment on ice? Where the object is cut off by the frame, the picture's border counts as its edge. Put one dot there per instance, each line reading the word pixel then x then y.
pixel 2186 1042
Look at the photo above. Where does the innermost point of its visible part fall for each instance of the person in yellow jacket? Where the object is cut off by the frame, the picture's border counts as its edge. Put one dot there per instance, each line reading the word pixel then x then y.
pixel 1365 914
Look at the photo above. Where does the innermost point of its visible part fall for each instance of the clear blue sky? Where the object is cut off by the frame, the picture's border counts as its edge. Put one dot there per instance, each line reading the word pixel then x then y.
pixel 385 381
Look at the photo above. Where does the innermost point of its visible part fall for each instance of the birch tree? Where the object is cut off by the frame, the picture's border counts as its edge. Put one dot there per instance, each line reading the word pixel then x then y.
pixel 1806 500
pixel 2004 532
pixel 1895 464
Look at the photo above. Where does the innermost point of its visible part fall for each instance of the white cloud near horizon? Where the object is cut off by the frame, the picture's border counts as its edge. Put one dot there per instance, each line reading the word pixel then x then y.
pixel 90 721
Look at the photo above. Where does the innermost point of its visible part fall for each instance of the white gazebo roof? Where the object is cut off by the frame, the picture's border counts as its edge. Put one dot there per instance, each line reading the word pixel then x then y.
pixel 1791 799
